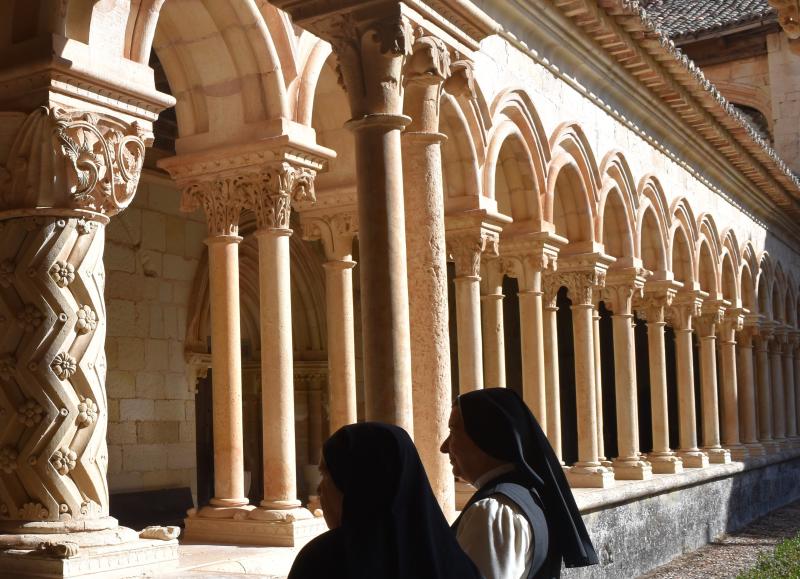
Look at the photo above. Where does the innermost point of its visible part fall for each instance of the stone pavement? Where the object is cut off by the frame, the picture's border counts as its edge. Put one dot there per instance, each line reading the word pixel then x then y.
pixel 731 554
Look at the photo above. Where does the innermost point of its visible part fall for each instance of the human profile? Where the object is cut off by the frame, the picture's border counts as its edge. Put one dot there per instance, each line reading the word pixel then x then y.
pixel 383 518
pixel 522 522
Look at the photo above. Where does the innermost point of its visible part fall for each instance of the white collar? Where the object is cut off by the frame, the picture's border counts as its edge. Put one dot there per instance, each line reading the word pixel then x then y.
pixel 492 474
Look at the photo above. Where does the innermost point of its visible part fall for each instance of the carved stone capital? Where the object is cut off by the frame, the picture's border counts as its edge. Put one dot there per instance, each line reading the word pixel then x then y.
pixel 335 230
pixel 466 249
pixel 712 313
pixel 654 303
pixel 72 160
pixel 524 257
pixel 271 192
pixel 732 324
pixel 622 286
pixel 429 63
pixel 685 307
pixel 221 201
pixel 582 285
pixel 461 82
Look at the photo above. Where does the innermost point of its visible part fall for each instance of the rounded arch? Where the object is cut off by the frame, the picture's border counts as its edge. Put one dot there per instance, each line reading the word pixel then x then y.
pixel 510 177
pixel 789 309
pixel 778 294
pixel 618 207
pixel 764 284
pixel 573 182
pixel 224 70
pixel 683 238
pixel 305 86
pixel 652 226
pixel 730 268
pixel 709 251
pixel 748 273
pixel 460 154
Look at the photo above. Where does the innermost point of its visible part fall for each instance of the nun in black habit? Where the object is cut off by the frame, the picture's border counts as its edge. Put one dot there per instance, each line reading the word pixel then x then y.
pixel 522 522
pixel 384 520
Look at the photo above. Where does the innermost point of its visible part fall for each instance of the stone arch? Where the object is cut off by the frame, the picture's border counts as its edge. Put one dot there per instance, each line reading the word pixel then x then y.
pixel 708 257
pixel 683 239
pixel 747 276
pixel 303 89
pixel 517 126
pixel 223 69
pixel 790 312
pixel 460 154
pixel 730 268
pixel 778 294
pixel 652 226
pixel 619 204
pixel 573 182
pixel 764 285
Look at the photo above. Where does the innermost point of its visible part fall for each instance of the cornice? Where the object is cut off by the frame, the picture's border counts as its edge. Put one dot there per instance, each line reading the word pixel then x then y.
pixel 689 122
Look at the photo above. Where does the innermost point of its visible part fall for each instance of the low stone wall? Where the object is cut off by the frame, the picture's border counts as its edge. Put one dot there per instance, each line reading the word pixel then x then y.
pixel 640 525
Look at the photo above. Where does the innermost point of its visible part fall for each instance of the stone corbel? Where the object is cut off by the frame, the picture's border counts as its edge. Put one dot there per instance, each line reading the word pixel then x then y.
pixel 197 366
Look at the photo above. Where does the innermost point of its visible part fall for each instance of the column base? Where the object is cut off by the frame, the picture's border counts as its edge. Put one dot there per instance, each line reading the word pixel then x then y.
pixel 264 527
pixel 718 455
pixel 605 463
pixel 110 554
pixel 693 458
pixel 592 476
pixel 632 470
pixel 666 463
pixel 739 452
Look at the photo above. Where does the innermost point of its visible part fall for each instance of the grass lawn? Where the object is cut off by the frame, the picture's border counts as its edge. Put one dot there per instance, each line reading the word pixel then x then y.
pixel 782 563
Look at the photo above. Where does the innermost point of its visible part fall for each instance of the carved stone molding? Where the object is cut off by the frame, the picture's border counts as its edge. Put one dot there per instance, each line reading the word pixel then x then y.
pixel 712 313
pixel 622 286
pixel 685 307
pixel 335 230
pixel 582 285
pixel 220 199
pixel 429 62
pixel 654 303
pixel 72 160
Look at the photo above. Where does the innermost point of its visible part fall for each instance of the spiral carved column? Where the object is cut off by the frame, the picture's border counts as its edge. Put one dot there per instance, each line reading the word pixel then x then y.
pixel 67 173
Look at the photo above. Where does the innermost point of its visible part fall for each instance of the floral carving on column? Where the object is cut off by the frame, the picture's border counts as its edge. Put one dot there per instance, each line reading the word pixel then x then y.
pixel 335 230
pixel 271 192
pixel 467 249
pixel 581 285
pixel 220 201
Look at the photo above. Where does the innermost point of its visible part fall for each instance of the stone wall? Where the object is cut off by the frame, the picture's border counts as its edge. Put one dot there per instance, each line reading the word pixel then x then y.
pixel 152 252
pixel 647 524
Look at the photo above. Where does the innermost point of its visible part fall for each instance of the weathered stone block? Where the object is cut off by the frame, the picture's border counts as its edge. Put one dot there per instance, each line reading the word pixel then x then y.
pixel 137 409
pixel 158 432
pixel 144 457
pixel 169 410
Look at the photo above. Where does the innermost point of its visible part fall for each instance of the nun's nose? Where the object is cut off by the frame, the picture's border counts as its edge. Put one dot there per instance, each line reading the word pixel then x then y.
pixel 445 448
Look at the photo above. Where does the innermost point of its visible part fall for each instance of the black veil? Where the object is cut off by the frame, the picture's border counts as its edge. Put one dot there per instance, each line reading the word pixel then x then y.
pixel 392 525
pixel 500 423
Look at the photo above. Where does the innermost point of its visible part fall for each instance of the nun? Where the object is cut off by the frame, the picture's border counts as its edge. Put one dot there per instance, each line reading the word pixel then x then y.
pixel 383 518
pixel 522 522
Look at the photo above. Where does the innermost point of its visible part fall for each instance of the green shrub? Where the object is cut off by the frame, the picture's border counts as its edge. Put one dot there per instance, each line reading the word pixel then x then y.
pixel 782 563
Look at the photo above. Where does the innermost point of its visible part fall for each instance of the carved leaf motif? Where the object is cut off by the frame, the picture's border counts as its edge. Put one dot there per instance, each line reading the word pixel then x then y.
pixel 30 412
pixel 33 512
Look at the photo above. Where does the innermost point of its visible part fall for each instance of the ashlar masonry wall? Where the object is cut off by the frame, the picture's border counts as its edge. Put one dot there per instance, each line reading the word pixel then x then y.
pixel 152 252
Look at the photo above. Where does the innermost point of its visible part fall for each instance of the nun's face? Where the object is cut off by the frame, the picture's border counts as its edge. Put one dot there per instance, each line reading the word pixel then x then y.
pixel 330 497
pixel 469 461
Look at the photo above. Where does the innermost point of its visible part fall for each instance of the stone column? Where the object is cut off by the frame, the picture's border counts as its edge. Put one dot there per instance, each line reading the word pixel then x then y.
pixel 747 390
pixel 270 197
pixel 797 377
pixel 764 386
pixel 494 354
pixel 526 258
pixel 707 324
pixel 685 307
pixel 371 47
pixel 789 387
pixel 776 381
pixel 336 231
pixel 67 173
pixel 551 285
pixel 587 472
pixel 222 201
pixel 466 249
pixel 425 72
pixel 621 286
pixel 731 324
pixel 598 382
pixel 657 299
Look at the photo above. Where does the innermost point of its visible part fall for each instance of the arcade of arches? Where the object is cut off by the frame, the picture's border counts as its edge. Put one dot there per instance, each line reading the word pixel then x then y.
pixel 401 201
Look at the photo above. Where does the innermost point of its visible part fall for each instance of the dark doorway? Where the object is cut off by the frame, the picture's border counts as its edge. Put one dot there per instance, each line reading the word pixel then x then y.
pixel 511 334
pixel 643 385
pixel 608 383
pixel 566 370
